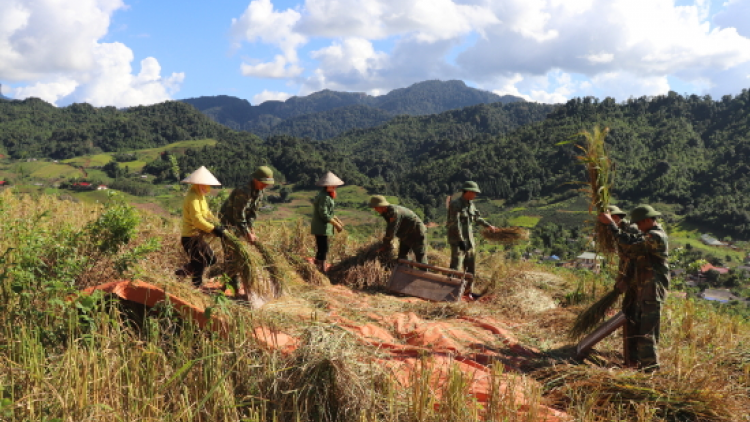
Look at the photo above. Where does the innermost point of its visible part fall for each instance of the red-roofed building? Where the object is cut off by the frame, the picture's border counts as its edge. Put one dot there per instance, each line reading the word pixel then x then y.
pixel 708 267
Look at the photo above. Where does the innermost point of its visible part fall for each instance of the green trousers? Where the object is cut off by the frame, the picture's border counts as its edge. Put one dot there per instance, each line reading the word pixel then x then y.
pixel 464 260
pixel 415 245
pixel 643 326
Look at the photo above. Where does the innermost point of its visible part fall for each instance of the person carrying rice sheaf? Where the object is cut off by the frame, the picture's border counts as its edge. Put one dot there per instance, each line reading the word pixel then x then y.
pixel 404 224
pixel 196 221
pixel 647 287
pixel 240 210
pixel 462 214
pixel 323 219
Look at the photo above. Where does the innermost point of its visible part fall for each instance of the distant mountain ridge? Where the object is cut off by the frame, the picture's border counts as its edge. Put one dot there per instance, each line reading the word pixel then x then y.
pixel 328 113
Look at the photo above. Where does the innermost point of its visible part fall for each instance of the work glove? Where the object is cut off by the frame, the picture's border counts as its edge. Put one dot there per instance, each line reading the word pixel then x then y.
pixel 218 231
pixel 461 245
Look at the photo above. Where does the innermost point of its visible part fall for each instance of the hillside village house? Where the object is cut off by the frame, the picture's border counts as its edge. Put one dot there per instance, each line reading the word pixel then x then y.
pixel 589 260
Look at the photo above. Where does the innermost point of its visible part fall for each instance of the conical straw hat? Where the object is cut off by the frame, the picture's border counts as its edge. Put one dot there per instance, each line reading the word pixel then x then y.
pixel 202 177
pixel 329 179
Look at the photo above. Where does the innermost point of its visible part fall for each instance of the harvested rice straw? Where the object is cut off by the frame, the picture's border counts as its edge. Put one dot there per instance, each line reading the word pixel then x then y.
pixel 247 265
pixel 307 271
pixel 589 319
pixel 624 392
pixel 282 274
pixel 600 171
pixel 338 274
pixel 506 234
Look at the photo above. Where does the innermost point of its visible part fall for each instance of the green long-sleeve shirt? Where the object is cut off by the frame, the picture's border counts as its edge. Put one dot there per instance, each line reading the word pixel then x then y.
pixel 323 207
pixel 462 214
pixel 402 223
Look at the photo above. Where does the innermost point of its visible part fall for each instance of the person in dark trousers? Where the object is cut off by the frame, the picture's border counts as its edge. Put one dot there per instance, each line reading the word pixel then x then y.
pixel 196 221
pixel 323 220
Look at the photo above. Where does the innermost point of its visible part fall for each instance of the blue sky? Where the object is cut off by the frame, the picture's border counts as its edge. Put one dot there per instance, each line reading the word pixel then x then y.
pixel 128 52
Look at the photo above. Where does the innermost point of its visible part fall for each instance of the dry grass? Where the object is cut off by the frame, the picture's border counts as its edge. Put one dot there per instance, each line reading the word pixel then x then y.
pixel 638 396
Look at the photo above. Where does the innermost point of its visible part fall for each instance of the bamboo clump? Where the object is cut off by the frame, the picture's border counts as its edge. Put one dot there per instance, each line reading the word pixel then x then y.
pixel 506 235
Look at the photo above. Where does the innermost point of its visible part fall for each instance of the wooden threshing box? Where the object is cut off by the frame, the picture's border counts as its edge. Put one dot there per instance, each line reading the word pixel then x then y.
pixel 444 285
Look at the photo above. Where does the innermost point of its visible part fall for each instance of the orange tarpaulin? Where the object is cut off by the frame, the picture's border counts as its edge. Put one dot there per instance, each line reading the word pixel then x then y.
pixel 405 342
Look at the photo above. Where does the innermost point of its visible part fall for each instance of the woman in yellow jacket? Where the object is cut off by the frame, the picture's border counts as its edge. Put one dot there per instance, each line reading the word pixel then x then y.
pixel 196 220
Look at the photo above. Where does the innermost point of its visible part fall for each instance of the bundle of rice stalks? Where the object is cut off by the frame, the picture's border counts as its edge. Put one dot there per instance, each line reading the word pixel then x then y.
pixel 506 235
pixel 589 319
pixel 307 271
pixel 281 272
pixel 330 377
pixel 364 268
pixel 601 172
pixel 248 266
pixel 639 396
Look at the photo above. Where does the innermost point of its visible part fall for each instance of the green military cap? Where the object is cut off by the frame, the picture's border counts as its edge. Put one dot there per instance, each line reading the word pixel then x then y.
pixel 642 212
pixel 471 187
pixel 264 174
pixel 378 201
pixel 615 210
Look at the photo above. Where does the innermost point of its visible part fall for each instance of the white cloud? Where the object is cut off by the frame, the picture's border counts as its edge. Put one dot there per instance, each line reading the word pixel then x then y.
pixel 344 63
pixel 261 22
pixel 525 47
pixel 426 20
pixel 267 95
pixel 50 91
pixel 54 47
pixel 275 69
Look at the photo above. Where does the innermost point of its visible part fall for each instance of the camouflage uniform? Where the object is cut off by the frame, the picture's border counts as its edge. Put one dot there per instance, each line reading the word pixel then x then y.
pixel 240 210
pixel 648 273
pixel 238 213
pixel 408 227
pixel 462 214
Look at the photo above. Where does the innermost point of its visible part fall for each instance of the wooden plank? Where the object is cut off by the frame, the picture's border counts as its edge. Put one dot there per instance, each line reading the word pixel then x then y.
pixel 425 285
pixel 608 327
pixel 432 276
pixel 443 270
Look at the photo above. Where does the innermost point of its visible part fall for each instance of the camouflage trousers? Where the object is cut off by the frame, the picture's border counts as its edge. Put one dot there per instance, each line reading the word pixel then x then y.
pixel 415 244
pixel 642 334
pixel 464 260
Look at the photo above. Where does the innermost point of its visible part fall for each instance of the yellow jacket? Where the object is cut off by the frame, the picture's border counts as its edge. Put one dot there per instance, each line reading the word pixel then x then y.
pixel 195 214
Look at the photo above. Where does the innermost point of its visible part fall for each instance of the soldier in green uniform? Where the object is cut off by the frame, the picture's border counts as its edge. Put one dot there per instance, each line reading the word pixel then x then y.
pixel 240 210
pixel 647 287
pixel 404 224
pixel 462 214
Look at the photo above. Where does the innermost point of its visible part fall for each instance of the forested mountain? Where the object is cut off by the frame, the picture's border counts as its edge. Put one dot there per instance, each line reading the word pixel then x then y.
pixel 328 113
pixel 687 150
pixel 34 128
pixel 692 151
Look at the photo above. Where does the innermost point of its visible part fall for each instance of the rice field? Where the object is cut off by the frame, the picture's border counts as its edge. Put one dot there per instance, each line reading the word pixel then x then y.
pixel 68 357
